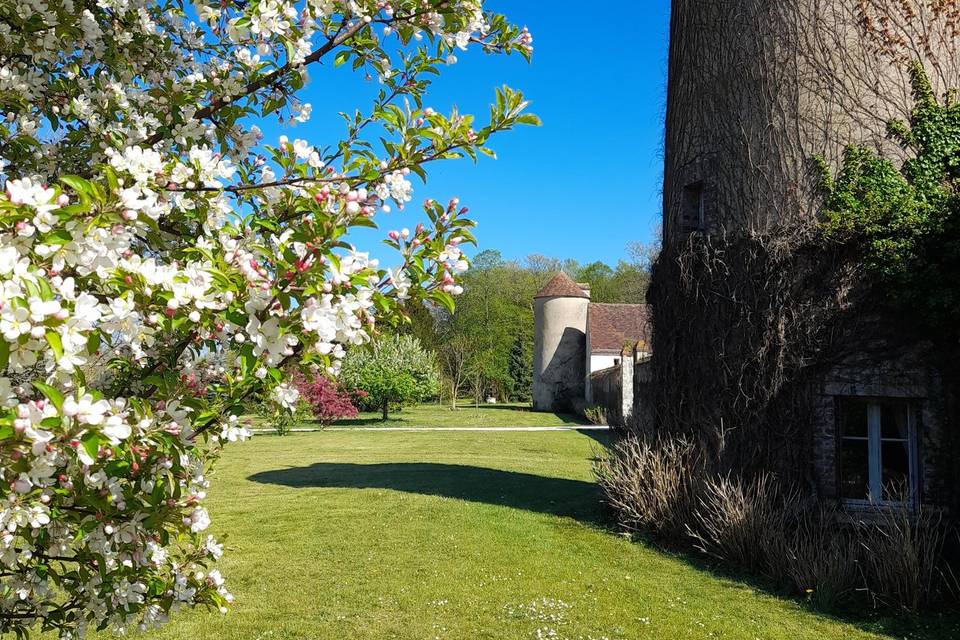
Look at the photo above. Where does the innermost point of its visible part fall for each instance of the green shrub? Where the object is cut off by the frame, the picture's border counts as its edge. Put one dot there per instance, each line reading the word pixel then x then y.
pixel 905 221
pixel 393 372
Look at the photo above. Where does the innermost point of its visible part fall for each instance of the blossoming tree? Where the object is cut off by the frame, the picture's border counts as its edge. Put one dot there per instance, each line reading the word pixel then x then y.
pixel 145 226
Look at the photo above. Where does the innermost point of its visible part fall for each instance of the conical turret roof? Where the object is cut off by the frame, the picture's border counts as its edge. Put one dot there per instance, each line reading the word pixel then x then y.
pixel 561 286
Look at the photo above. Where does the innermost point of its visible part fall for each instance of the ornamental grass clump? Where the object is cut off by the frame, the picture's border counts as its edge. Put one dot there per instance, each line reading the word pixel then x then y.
pixel 880 556
pixel 652 485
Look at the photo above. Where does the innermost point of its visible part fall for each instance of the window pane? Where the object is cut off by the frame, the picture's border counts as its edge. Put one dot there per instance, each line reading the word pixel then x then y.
pixel 853 418
pixel 893 420
pixel 895 460
pixel 854 470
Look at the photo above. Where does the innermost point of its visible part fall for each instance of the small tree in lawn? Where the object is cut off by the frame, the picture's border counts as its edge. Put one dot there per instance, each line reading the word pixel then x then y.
pixel 327 400
pixel 144 222
pixel 394 372
pixel 454 353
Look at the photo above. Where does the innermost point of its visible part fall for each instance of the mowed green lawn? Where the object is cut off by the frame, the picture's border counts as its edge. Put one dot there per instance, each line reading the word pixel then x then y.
pixel 507 414
pixel 456 535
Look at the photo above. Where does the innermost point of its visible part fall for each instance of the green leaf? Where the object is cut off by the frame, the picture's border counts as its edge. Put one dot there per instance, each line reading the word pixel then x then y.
pixel 4 354
pixel 75 209
pixel 60 236
pixel 93 342
pixel 78 184
pixel 53 339
pixel 112 181
pixel 363 221
pixel 32 289
pixel 51 394
pixel 91 443
pixel 118 468
pixel 445 299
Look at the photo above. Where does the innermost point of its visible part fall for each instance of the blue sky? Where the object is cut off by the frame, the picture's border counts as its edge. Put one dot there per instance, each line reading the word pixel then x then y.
pixel 581 186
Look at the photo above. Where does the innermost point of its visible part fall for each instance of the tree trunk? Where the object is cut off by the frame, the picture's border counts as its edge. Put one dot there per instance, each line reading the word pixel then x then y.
pixel 386 407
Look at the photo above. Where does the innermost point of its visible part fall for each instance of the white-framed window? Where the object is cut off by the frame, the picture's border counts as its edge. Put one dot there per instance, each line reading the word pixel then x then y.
pixel 877 450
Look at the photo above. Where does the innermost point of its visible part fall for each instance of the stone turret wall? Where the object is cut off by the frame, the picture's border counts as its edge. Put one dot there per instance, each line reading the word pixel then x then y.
pixel 559 344
pixel 753 316
pixel 758 88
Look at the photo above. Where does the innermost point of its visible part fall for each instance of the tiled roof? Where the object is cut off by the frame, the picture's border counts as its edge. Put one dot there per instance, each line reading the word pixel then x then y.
pixel 562 286
pixel 612 325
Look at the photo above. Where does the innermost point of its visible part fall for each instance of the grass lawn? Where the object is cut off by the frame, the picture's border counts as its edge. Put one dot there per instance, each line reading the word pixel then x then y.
pixel 424 535
pixel 507 414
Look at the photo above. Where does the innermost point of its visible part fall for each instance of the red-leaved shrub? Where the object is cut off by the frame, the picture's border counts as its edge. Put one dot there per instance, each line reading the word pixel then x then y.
pixel 327 400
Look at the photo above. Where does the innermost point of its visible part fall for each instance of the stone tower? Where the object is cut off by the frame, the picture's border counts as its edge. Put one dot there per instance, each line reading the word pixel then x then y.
pixel 758 89
pixel 559 344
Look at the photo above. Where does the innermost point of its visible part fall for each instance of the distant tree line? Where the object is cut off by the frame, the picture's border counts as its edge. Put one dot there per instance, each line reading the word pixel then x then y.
pixel 485 347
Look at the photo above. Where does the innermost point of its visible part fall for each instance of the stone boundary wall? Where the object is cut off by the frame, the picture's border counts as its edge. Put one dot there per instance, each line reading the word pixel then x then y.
pixel 615 388
pixel 605 387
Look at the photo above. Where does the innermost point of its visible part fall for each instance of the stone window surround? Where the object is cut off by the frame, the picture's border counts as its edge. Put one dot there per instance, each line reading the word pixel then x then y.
pixel 874 380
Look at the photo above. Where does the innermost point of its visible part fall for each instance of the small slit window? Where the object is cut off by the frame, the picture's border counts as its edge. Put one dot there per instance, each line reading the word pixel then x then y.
pixel 693 213
pixel 877 451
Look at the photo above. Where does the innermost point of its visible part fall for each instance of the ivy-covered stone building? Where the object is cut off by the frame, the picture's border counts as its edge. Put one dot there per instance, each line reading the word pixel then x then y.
pixel 768 343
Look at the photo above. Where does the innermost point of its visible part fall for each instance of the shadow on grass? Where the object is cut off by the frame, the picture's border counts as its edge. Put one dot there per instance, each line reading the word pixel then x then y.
pixel 576 499
pixel 604 438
